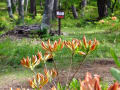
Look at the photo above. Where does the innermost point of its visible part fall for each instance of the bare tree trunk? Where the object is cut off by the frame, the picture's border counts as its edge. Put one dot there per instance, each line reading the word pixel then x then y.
pixel 47 16
pixel 26 6
pixel 74 11
pixel 21 9
pixel 33 8
pixel 13 5
pixel 9 8
pixel 55 8
pixel 83 5
pixel 102 8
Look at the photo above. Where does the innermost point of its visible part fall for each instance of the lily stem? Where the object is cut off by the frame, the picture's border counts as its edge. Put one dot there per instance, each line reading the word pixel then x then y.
pixel 70 68
pixel 78 68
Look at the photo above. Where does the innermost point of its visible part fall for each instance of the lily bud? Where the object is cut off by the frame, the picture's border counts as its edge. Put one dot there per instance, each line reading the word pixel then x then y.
pixel 81 53
pixel 90 42
pixel 85 41
pixel 27 62
pixel 59 41
pixel 39 56
pixel 43 45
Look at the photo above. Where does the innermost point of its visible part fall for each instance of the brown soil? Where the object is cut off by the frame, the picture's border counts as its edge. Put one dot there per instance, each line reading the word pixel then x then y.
pixel 100 67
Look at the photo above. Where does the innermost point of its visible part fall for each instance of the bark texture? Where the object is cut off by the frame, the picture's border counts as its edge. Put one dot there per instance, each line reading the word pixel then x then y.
pixel 83 5
pixel 33 8
pixel 55 8
pixel 21 9
pixel 9 5
pixel 47 16
pixel 26 6
pixel 102 8
pixel 74 11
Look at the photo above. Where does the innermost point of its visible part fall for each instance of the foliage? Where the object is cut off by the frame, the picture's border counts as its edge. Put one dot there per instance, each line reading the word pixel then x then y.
pixel 74 84
pixel 114 71
pixel 115 58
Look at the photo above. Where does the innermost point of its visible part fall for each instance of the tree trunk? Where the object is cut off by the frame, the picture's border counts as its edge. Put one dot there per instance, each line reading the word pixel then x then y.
pixel 13 5
pixel 74 11
pixel 102 8
pixel 83 5
pixel 47 16
pixel 21 9
pixel 26 6
pixel 109 3
pixel 9 8
pixel 33 8
pixel 55 8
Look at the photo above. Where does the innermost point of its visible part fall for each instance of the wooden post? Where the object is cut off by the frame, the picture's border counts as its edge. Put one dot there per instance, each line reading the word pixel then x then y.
pixel 59 26
pixel 59 21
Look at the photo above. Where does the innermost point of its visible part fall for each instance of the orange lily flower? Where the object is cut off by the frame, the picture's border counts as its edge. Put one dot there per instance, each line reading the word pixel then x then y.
pixel 17 88
pixel 85 41
pixel 95 43
pixel 53 73
pixel 50 74
pixel 90 45
pixel 31 63
pixel 48 47
pixel 41 80
pixel 90 83
pixel 116 86
pixel 114 18
pixel 73 45
pixel 81 53
pixel 53 88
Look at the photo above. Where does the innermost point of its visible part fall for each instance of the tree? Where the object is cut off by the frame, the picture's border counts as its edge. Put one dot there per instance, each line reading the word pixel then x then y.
pixel 83 5
pixel 74 11
pixel 9 8
pixel 55 8
pixel 13 5
pixel 21 9
pixel 47 16
pixel 33 8
pixel 102 8
pixel 26 6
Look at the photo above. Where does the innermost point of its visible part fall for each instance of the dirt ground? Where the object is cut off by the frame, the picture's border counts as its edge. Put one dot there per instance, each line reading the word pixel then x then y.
pixel 100 67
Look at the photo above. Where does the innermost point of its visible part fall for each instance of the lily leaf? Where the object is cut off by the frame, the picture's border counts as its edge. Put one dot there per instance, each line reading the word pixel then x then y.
pixel 115 73
pixel 116 60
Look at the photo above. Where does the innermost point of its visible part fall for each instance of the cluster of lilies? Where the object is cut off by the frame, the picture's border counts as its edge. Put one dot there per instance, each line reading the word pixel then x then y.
pixel 89 83
pixel 76 46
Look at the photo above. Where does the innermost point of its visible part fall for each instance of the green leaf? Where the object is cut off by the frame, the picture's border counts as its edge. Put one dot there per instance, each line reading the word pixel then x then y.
pixel 59 87
pixel 116 60
pixel 104 85
pixel 115 73
pixel 74 85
